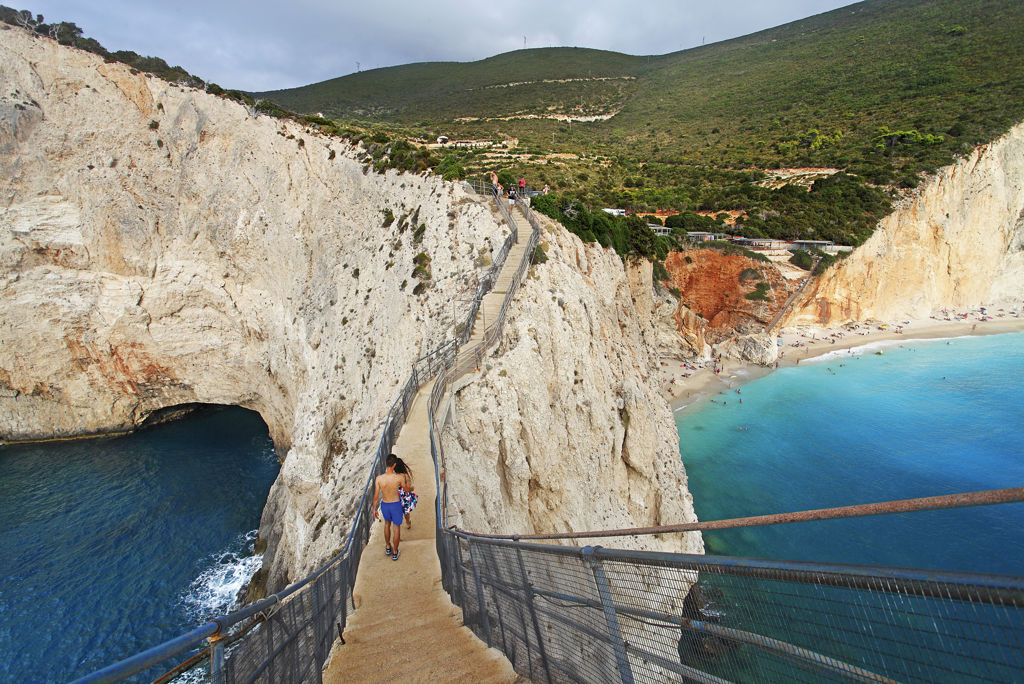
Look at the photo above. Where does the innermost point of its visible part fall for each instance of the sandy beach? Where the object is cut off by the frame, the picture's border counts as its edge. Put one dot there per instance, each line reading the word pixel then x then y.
pixel 683 383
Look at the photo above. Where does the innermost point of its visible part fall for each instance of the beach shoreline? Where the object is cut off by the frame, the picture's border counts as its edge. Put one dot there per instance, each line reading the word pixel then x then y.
pixel 683 383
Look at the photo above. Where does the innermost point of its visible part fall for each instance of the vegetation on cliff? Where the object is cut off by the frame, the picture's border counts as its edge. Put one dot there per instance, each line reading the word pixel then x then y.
pixel 67 33
pixel 883 90
pixel 886 90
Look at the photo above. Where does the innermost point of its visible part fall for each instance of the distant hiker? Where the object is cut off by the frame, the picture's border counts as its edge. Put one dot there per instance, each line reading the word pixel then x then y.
pixel 546 188
pixel 386 491
pixel 408 498
pixel 494 183
pixel 522 186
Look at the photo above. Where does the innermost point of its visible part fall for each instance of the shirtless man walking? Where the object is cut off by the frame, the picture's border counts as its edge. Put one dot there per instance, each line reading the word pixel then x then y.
pixel 386 491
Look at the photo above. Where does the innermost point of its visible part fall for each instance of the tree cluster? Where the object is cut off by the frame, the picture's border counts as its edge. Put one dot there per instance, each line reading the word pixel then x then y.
pixel 67 33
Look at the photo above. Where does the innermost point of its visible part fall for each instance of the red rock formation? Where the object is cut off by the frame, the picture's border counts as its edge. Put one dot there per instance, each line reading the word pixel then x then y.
pixel 714 285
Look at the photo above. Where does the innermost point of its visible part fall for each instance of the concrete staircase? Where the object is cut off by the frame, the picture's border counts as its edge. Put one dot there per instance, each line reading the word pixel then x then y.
pixel 404 627
pixel 488 312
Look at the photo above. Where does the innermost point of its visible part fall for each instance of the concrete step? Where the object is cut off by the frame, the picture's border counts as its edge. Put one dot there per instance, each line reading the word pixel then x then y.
pixel 404 627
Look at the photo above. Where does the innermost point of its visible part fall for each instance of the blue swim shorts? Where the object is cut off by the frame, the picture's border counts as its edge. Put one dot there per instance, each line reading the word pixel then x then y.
pixel 392 510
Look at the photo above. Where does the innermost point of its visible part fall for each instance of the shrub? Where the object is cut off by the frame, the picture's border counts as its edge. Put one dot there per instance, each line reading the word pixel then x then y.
pixel 659 272
pixel 801 259
pixel 760 293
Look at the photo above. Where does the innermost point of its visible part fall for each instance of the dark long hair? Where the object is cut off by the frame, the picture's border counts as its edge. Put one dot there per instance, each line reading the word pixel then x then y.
pixel 400 466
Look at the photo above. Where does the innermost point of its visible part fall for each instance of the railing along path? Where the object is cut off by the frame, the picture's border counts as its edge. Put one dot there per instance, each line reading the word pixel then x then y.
pixel 566 613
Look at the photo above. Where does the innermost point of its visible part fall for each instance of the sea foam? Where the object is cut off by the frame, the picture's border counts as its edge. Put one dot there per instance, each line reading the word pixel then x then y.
pixel 214 592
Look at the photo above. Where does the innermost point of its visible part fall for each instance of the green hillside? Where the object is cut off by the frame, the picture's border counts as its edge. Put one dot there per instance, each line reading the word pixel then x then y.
pixel 814 91
pixel 432 93
pixel 886 90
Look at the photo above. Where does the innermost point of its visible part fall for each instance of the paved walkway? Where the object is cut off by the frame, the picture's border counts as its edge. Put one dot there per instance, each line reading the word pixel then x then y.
pixel 491 305
pixel 404 627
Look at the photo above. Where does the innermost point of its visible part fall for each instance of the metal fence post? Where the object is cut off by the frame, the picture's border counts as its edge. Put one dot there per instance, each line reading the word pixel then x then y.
pixel 216 659
pixel 480 594
pixel 612 620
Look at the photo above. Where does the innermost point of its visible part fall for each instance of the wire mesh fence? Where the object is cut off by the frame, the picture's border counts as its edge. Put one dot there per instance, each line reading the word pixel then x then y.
pixel 592 614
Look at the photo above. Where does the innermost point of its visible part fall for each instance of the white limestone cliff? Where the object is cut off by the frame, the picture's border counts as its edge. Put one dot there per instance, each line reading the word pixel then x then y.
pixel 957 242
pixel 159 246
pixel 563 429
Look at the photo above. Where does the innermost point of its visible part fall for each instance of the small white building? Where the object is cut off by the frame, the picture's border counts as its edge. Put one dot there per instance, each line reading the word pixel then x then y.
pixel 704 236
pixel 823 245
pixel 761 243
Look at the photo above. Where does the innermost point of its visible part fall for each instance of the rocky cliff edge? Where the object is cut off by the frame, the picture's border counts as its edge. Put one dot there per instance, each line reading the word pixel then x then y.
pixel 563 428
pixel 957 242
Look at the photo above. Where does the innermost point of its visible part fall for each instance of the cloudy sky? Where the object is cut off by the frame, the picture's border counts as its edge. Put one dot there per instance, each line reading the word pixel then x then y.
pixel 265 45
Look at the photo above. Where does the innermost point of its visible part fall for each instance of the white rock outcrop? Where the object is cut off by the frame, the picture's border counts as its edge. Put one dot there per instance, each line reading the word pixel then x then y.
pixel 958 242
pixel 563 429
pixel 159 246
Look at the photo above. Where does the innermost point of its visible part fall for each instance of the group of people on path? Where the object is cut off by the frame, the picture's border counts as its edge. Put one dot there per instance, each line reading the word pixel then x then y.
pixel 393 489
pixel 499 189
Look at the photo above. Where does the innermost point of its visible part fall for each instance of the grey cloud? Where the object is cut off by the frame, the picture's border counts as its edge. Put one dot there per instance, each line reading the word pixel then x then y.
pixel 262 45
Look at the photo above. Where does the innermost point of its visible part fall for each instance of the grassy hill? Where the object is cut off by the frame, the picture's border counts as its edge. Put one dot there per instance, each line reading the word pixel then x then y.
pixel 812 92
pixel 436 93
pixel 886 90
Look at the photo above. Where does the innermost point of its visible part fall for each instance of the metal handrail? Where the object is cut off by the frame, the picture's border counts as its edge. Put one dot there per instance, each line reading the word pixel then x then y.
pixel 987 497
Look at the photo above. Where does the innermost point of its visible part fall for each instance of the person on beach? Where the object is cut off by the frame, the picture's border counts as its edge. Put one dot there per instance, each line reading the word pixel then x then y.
pixel 408 497
pixel 386 492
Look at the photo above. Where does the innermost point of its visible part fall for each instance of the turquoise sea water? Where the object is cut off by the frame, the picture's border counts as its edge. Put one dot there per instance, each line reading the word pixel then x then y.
pixel 114 545
pixel 924 418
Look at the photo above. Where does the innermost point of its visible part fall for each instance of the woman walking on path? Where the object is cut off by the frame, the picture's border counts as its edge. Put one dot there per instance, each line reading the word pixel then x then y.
pixel 408 497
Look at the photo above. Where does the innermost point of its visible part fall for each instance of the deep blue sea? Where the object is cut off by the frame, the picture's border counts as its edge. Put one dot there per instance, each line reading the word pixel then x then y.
pixel 114 545
pixel 924 418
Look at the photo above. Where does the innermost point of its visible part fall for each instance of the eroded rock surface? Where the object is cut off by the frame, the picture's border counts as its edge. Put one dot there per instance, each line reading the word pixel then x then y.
pixel 160 246
pixel 563 429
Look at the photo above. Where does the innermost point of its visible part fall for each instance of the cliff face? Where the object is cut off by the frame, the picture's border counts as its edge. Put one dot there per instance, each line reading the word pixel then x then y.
pixel 563 428
pixel 159 246
pixel 715 285
pixel 958 242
